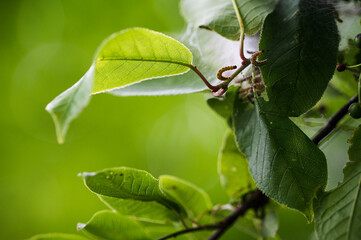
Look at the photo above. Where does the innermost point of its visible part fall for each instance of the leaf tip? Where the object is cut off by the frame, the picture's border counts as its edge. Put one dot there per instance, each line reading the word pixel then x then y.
pixel 85 175
pixel 80 226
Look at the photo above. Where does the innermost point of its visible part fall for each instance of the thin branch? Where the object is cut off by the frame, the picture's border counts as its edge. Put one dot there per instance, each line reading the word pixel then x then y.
pixel 332 121
pixel 189 230
pixel 256 200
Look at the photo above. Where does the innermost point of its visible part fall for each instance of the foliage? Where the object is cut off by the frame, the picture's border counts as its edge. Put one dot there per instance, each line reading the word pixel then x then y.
pixel 265 155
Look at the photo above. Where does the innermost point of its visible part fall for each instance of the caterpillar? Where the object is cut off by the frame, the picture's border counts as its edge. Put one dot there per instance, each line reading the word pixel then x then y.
pixel 254 59
pixel 222 70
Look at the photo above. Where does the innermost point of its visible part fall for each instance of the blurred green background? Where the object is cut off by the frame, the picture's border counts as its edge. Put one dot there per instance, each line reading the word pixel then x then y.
pixel 46 46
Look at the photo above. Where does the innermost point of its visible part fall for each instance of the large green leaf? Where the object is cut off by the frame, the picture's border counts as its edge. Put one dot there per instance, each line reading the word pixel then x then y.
pixel 107 225
pixel 338 212
pixel 233 168
pixel 145 211
pixel 123 59
pixel 194 200
pixel 128 183
pixel 137 54
pixel 68 105
pixel 300 40
pixel 208 59
pixel 57 236
pixel 221 17
pixel 285 164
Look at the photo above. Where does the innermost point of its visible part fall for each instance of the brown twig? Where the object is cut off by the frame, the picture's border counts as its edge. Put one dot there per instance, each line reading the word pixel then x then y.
pixel 255 201
pixel 332 121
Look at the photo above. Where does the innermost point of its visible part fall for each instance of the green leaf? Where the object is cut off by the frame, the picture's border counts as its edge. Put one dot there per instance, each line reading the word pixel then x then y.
pixel 300 40
pixel 338 212
pixel 138 54
pixel 207 58
pixel 57 236
pixel 128 183
pixel 345 83
pixel 233 168
pixel 285 164
pixel 354 151
pixel 144 211
pixel 270 225
pixel 107 225
pixel 123 59
pixel 223 106
pixel 68 105
pixel 194 200
pixel 221 17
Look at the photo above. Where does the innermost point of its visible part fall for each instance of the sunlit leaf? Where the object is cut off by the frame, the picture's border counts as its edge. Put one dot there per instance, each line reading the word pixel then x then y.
pixel 137 54
pixel 128 183
pixel 208 59
pixel 194 200
pixel 57 236
pixel 285 164
pixel 123 59
pixel 109 225
pixel 299 67
pixel 233 168
pixel 338 212
pixel 68 105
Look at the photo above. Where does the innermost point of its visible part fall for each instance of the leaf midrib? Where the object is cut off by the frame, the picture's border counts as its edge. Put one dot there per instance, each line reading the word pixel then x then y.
pixel 144 60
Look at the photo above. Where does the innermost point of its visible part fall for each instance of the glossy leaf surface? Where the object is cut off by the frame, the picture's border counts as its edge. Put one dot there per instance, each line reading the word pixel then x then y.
pixel 285 164
pixel 128 183
pixel 233 168
pixel 300 64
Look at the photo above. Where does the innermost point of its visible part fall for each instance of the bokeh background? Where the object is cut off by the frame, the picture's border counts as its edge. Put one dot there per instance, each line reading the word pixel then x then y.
pixel 46 46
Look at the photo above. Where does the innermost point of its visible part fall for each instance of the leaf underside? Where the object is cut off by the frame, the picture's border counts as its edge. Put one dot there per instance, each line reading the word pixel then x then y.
pixel 300 40
pixel 285 164
pixel 221 17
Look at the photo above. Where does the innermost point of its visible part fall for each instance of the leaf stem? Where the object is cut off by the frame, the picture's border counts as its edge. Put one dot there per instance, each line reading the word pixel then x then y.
pixel 354 66
pixel 204 79
pixel 236 9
